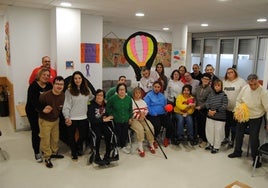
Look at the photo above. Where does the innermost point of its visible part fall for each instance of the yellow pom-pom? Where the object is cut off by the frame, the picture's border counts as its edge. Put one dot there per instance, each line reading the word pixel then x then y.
pixel 241 113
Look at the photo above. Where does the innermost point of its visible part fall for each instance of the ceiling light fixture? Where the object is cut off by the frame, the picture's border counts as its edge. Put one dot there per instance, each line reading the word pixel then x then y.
pixel 261 20
pixel 204 25
pixel 165 28
pixel 66 4
pixel 139 14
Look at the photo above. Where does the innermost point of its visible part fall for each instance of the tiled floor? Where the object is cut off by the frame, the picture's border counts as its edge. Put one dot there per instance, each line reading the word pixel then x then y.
pixel 186 167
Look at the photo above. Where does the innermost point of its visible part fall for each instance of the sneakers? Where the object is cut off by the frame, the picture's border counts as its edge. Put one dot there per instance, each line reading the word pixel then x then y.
pixel 57 156
pixel 209 147
pixel 152 150
pixel 213 151
pixel 141 153
pixel 99 161
pixel 231 144
pixel 126 150
pixel 38 158
pixel 74 158
pixel 202 144
pixel 166 142
pixel 155 145
pixel 225 141
pixel 48 163
pixel 234 155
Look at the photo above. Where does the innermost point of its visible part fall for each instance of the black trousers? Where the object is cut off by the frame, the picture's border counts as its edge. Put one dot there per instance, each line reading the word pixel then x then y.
pixel 121 131
pixel 254 130
pixel 230 125
pixel 165 121
pixel 33 120
pixel 99 130
pixel 200 118
pixel 83 127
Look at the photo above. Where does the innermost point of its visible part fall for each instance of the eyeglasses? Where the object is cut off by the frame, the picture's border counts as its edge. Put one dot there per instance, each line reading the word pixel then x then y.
pixel 230 72
pixel 46 61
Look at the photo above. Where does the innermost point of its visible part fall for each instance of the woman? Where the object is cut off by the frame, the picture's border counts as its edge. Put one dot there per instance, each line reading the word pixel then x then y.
pixel 184 108
pixel 140 124
pixel 174 86
pixel 216 105
pixel 162 77
pixel 37 87
pixel 100 123
pixel 156 102
pixel 120 107
pixel 77 97
pixel 182 70
pixel 232 85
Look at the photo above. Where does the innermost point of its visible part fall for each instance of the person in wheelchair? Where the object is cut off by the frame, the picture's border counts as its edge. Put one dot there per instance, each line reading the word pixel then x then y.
pixel 100 123
pixel 184 108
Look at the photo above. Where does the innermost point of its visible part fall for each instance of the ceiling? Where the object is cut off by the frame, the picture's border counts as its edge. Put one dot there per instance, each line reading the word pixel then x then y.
pixel 221 15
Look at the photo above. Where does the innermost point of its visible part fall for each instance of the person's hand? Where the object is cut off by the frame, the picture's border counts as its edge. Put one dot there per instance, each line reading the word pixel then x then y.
pixel 211 112
pixel 198 107
pixel 266 127
pixel 109 118
pixel 47 109
pixel 68 122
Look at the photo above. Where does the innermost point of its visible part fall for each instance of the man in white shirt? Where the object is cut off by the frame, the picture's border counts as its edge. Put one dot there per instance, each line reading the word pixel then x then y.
pixel 256 99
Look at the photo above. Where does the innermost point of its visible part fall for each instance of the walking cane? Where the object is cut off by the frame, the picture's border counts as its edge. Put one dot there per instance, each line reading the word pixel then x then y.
pixel 150 129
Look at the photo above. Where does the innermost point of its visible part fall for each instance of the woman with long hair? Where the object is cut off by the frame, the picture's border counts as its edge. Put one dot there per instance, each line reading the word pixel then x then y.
pixel 77 97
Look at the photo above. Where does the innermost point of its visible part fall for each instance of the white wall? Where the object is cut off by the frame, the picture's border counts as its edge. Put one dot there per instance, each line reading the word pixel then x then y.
pixel 124 33
pixel 29 41
pixel 91 32
pixel 2 49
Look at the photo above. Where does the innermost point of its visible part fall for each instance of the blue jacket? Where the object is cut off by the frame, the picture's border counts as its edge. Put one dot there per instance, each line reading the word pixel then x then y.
pixel 156 103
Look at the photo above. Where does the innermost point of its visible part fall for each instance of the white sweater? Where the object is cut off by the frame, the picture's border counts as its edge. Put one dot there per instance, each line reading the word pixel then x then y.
pixel 232 89
pixel 256 101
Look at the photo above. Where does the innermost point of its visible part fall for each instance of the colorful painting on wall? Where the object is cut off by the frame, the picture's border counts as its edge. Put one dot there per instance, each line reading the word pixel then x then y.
pixel 90 53
pixel 113 53
pixel 164 54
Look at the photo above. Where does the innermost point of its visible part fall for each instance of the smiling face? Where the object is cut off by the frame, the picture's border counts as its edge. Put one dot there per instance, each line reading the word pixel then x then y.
pixel 46 62
pixel 78 80
pixel 157 87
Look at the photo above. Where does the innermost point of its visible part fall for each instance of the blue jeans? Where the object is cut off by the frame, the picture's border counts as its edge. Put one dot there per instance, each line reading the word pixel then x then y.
pixel 188 120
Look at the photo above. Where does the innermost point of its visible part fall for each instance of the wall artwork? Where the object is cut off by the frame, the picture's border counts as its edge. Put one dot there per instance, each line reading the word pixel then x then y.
pixel 7 43
pixel 90 53
pixel 113 53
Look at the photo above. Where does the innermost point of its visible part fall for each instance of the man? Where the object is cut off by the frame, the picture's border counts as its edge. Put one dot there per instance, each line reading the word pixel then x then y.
pixel 46 63
pixel 196 74
pixel 51 103
pixel 148 78
pixel 210 69
pixel 256 99
pixel 112 90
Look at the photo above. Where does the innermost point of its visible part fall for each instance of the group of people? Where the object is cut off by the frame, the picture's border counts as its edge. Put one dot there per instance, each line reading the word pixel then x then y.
pixel 203 104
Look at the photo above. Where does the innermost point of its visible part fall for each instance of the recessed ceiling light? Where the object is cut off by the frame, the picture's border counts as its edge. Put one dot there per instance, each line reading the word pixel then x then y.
pixel 261 20
pixel 139 14
pixel 66 4
pixel 165 28
pixel 204 25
